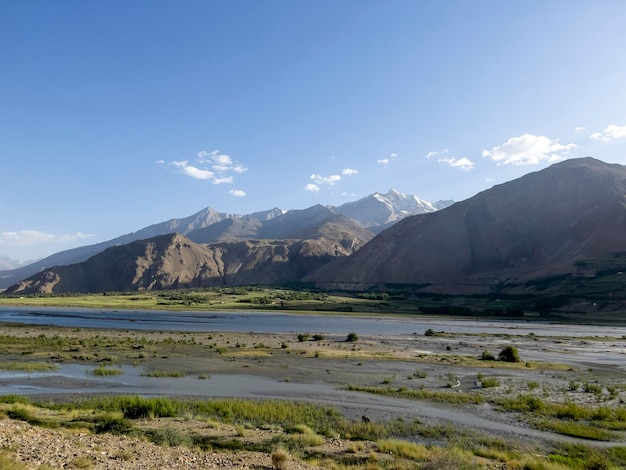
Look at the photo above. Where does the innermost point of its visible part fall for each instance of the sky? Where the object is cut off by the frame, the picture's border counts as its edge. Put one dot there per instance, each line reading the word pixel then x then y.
pixel 117 115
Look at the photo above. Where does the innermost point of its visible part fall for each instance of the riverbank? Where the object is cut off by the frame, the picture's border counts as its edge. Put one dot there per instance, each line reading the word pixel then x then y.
pixel 372 375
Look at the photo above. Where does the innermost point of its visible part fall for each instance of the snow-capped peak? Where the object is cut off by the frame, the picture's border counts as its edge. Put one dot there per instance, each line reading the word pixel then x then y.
pixel 381 210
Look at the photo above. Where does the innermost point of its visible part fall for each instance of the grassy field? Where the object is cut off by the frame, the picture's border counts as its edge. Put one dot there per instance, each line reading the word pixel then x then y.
pixel 317 434
pixel 396 301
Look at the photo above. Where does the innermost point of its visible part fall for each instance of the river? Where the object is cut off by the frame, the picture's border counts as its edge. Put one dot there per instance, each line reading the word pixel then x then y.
pixel 268 322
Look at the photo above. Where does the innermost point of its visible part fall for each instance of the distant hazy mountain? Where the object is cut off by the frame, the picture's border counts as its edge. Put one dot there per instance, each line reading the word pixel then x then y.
pixel 7 263
pixel 546 223
pixel 296 224
pixel 211 225
pixel 378 211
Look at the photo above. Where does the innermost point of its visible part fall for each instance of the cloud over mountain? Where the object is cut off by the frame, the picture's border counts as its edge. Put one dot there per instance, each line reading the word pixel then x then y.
pixel 214 166
pixel 528 149
pixel 611 132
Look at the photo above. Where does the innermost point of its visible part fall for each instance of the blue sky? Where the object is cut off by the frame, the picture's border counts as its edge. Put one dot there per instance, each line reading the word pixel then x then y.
pixel 116 115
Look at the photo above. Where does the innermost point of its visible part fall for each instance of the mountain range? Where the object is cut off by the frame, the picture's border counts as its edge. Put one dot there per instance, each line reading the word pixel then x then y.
pixel 318 223
pixel 569 219
pixel 561 230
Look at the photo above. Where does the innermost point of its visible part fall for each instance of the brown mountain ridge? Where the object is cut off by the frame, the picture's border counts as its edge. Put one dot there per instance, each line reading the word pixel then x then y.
pixel 545 223
pixel 566 220
pixel 174 261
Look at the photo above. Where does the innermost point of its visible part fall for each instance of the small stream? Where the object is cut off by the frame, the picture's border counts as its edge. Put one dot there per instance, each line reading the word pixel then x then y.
pixel 76 379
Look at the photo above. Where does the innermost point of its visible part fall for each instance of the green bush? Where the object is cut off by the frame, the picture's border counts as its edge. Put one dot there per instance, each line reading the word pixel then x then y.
pixel 509 354
pixel 113 425
pixel 487 356
pixel 490 382
pixel 352 337
pixel 135 407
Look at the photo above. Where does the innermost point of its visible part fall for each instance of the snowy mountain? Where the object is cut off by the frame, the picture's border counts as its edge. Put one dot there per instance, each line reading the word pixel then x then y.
pixel 373 213
pixel 378 211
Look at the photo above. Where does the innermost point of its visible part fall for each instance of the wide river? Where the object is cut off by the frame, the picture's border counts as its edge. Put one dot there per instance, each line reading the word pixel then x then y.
pixel 264 322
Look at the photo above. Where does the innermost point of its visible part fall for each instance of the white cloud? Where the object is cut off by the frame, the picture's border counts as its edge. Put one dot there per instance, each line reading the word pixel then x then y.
pixel 35 237
pixel 329 180
pixel 312 187
pixel 463 163
pixel 349 172
pixel 194 172
pixel 237 192
pixel 436 152
pixel 610 133
pixel 212 166
pixel 528 149
pixel 387 160
pixel 223 179
pixel 224 160
pixel 579 129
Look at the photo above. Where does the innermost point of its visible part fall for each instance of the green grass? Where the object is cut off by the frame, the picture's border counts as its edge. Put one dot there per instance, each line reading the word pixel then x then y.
pixel 164 374
pixel 576 429
pixel 488 382
pixel 305 426
pixel 392 299
pixel 403 448
pixel 27 366
pixel 105 371
pixel 9 462
pixel 456 398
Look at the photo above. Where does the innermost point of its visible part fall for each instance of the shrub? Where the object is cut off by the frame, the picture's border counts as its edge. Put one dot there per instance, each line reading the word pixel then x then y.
pixel 352 337
pixel 22 414
pixel 110 423
pixel 487 356
pixel 592 388
pixel 489 382
pixel 304 337
pixel 509 354
pixel 135 407
pixel 280 459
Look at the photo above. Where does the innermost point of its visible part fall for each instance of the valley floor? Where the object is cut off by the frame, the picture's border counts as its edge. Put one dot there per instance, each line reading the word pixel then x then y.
pixel 440 379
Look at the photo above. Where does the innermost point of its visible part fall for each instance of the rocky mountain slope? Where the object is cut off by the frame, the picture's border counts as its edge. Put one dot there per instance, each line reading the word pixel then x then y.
pixel 174 261
pixel 545 223
pixel 211 225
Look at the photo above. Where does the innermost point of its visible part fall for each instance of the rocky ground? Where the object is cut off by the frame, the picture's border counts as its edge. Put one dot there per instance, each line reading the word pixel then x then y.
pixel 59 449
